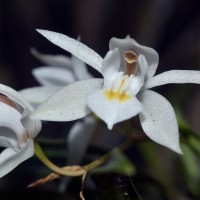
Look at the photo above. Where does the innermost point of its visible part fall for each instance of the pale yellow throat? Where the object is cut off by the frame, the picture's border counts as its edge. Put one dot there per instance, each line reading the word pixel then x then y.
pixel 119 95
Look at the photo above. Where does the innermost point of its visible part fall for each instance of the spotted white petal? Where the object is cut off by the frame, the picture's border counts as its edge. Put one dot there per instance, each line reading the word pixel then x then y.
pixel 69 103
pixel 80 69
pixel 36 95
pixel 53 60
pixel 53 76
pixel 9 158
pixel 159 121
pixel 12 133
pixel 15 96
pixel 113 111
pixel 174 76
pixel 128 43
pixel 75 47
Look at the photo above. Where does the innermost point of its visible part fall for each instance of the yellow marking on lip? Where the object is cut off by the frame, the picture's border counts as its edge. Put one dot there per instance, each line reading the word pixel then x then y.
pixel 119 95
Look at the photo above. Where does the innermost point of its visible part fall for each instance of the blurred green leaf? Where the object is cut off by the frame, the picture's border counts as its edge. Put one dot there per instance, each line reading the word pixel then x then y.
pixel 190 162
pixel 191 169
pixel 195 143
pixel 188 136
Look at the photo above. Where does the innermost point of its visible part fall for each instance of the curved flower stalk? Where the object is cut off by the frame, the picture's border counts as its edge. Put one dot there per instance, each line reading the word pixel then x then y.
pixel 128 72
pixel 17 130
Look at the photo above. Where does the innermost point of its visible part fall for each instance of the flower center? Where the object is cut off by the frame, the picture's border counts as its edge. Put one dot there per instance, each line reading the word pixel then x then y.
pixel 120 94
pixel 131 64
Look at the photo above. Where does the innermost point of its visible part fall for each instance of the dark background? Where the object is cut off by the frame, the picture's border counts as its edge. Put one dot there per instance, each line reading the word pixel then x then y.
pixel 171 27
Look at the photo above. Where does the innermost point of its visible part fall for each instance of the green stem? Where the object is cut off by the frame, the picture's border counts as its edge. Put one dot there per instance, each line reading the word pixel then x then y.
pixel 67 171
pixel 78 170
pixel 106 156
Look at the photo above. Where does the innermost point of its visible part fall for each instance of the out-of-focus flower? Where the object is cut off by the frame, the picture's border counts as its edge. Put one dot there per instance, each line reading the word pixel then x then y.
pixel 128 72
pixel 17 130
pixel 58 72
pixel 78 140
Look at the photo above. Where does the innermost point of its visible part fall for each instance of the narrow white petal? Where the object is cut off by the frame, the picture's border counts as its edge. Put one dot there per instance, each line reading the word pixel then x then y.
pixel 53 60
pixel 37 95
pixel 80 69
pixel 9 158
pixel 113 111
pixel 143 65
pixel 53 76
pixel 75 47
pixel 15 96
pixel 69 103
pixel 159 121
pixel 11 128
pixel 174 76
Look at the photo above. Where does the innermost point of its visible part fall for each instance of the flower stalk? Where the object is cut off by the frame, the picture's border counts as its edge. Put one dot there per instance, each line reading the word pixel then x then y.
pixel 80 170
pixel 67 171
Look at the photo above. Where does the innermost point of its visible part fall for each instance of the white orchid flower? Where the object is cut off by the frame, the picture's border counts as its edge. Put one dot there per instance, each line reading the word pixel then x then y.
pixel 120 95
pixel 17 130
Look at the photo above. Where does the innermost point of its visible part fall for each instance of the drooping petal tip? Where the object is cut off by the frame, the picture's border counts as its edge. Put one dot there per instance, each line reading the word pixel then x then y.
pixel 159 121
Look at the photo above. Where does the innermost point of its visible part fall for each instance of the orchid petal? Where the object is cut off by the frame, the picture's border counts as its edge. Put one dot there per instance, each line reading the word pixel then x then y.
pixel 143 65
pixel 174 76
pixel 128 43
pixel 53 60
pixel 37 95
pixel 69 103
pixel 111 63
pixel 75 47
pixel 9 158
pixel 33 127
pixel 159 121
pixel 12 132
pixel 53 76
pixel 112 111
pixel 80 69
pixel 15 96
